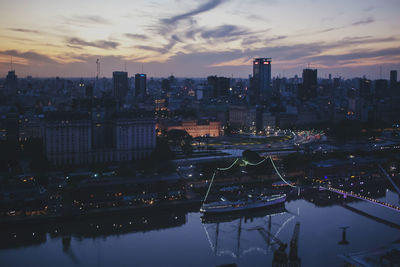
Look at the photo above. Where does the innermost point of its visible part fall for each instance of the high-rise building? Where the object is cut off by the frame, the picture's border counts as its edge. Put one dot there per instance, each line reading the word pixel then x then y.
pixel 336 83
pixel 309 87
pixel 89 91
pixel 120 80
pixel 261 82
pixel 165 85
pixel 140 84
pixel 220 85
pixel 393 79
pixel 11 81
pixel 365 88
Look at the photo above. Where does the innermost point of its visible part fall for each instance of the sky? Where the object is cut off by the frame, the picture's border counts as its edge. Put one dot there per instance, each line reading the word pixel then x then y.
pixel 197 38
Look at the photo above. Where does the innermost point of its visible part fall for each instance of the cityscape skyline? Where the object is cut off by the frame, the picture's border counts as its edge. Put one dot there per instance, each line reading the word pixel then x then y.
pixel 204 38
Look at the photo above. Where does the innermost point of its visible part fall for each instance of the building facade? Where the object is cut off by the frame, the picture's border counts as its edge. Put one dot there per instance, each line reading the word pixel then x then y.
pixel 199 129
pixel 69 139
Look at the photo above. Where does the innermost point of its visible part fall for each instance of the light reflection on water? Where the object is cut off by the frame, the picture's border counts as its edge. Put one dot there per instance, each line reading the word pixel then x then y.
pixel 183 238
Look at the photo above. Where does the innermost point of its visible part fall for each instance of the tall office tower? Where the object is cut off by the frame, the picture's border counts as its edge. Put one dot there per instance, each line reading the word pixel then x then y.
pixel 89 91
pixel 11 81
pixel 336 83
pixel 165 85
pixel 393 79
pixel 261 82
pixel 120 79
pixel 140 84
pixel 309 87
pixel 220 85
pixel 365 88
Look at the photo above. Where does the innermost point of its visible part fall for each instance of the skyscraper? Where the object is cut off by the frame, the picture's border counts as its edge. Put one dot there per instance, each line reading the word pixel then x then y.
pixel 365 88
pixel 309 87
pixel 393 79
pixel 11 81
pixel 120 79
pixel 220 85
pixel 140 84
pixel 261 82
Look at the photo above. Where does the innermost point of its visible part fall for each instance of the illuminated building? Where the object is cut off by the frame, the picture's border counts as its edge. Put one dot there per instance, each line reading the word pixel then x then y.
pixel 198 128
pixel 140 84
pixel 261 82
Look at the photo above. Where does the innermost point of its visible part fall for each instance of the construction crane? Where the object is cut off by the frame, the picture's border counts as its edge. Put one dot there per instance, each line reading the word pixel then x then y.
pixel 280 257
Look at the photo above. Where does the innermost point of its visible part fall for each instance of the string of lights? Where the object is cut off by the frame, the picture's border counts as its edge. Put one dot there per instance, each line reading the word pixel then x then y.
pixel 246 163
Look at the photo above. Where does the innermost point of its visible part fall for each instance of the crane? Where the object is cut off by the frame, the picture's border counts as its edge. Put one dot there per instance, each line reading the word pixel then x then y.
pixel 280 257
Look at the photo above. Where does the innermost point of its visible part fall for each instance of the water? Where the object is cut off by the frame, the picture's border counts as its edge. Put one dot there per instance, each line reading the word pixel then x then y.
pixel 180 238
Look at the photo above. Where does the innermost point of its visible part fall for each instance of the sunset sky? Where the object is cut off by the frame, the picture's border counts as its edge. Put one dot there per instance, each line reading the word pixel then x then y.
pixel 196 38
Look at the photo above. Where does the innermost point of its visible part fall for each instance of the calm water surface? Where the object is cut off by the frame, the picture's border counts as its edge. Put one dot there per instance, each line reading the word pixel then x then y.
pixel 182 238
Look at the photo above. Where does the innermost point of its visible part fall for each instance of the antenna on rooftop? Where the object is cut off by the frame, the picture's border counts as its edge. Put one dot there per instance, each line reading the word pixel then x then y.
pixel 125 66
pixel 142 67
pixel 380 72
pixel 11 64
pixel 98 69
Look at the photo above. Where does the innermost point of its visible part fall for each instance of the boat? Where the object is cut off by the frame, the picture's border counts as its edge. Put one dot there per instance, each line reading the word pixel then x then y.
pixel 226 206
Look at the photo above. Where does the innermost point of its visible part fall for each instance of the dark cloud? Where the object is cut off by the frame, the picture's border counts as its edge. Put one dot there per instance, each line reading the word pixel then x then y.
pixel 88 19
pixel 224 31
pixel 162 50
pixel 364 21
pixel 99 44
pixel 357 23
pixel 136 36
pixel 30 55
pixel 365 40
pixel 280 37
pixel 250 40
pixel 201 9
pixel 362 54
pixel 24 30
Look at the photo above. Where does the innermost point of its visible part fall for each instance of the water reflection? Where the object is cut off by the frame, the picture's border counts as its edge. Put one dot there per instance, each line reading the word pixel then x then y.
pixel 240 233
pixel 24 235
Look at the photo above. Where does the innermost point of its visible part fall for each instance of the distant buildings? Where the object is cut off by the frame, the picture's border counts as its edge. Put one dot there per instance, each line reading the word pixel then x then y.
pixel 140 85
pixel 261 80
pixel 120 80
